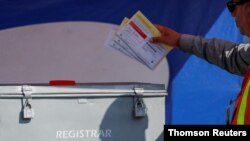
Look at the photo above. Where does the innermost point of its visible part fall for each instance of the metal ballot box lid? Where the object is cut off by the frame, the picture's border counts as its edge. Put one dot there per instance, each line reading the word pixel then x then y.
pixel 69 51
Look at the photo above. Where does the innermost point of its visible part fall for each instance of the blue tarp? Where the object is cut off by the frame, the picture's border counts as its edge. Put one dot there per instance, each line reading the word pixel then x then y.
pixel 198 92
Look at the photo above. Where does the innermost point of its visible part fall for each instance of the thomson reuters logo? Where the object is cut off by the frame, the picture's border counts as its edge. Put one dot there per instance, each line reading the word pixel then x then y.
pixel 76 134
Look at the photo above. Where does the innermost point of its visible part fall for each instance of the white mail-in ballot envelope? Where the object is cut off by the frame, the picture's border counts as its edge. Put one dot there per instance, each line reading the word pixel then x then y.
pixel 136 35
pixel 114 41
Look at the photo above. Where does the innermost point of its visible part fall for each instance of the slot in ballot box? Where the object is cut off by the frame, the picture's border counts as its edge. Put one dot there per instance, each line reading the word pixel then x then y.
pixel 114 97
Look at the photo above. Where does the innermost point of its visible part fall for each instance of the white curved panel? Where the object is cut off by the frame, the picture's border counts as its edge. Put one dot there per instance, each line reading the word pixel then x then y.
pixel 71 51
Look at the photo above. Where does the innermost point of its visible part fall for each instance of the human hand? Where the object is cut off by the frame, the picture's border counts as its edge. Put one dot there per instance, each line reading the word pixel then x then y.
pixel 168 36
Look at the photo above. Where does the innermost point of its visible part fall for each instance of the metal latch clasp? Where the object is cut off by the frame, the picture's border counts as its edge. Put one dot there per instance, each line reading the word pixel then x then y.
pixel 28 111
pixel 140 109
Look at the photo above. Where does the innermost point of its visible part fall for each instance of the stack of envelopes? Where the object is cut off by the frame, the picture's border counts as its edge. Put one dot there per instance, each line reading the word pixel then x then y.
pixel 132 38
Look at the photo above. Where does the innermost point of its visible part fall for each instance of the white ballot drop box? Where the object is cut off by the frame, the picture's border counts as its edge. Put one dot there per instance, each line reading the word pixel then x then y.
pixel 92 112
pixel 115 98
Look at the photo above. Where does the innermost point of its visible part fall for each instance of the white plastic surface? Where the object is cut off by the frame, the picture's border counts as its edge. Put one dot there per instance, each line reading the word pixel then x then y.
pixel 69 51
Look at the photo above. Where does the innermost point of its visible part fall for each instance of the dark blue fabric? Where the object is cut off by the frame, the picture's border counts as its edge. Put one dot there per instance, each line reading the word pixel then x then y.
pixel 198 91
